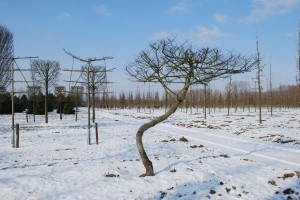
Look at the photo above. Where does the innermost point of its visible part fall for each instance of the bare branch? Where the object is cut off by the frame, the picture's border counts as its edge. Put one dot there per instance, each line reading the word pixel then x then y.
pixel 88 59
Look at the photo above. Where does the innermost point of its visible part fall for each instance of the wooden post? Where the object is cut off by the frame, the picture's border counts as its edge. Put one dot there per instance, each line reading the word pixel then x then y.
pixel 12 104
pixel 205 102
pixel 33 109
pixel 26 115
pixel 96 130
pixel 88 104
pixel 17 135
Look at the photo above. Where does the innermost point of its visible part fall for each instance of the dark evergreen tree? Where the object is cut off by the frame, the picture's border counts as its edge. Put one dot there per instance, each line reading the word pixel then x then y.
pixel 17 105
pixel 24 102
pixel 51 102
pixel 39 104
pixel 69 105
pixel 5 103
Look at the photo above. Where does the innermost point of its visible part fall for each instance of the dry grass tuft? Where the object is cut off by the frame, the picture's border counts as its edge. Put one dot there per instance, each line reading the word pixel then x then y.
pixel 183 139
pixel 109 175
pixel 173 170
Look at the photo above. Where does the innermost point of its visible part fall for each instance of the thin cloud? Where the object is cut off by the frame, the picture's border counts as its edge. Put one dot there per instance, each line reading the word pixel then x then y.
pixel 220 18
pixel 101 10
pixel 180 8
pixel 64 16
pixel 290 34
pixel 262 9
pixel 204 35
pixel 162 35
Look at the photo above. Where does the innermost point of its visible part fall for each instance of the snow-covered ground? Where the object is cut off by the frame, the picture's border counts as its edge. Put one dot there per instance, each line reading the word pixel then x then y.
pixel 224 157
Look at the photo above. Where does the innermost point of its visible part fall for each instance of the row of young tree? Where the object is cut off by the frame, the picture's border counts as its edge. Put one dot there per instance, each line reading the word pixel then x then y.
pixel 237 95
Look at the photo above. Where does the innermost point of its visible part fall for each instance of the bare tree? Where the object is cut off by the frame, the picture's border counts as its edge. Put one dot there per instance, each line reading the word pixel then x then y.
pixel 32 92
pixel 6 55
pixel 47 73
pixel 76 92
pixel 228 95
pixel 271 91
pixel 97 81
pixel 259 70
pixel 60 92
pixel 169 63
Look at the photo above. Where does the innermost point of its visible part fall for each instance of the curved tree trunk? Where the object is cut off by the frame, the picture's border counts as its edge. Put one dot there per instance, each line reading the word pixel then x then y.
pixel 139 135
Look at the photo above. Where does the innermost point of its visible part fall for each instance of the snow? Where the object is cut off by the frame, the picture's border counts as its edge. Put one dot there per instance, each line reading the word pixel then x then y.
pixel 225 157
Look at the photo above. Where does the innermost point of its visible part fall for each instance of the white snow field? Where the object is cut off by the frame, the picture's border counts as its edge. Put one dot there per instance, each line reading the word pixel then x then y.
pixel 223 157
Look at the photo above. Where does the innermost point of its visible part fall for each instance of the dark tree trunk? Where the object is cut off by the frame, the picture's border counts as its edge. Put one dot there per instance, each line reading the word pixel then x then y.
pixel 139 135
pixel 60 109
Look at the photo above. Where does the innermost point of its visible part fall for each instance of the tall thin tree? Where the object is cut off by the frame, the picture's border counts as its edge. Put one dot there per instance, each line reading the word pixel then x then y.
pixel 228 95
pixel 60 92
pixel 259 70
pixel 271 91
pixel 47 73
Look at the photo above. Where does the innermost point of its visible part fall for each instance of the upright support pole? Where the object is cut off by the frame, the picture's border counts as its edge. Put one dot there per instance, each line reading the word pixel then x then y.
pixel 89 111
pixel 76 111
pixel 298 66
pixel 12 104
pixel 26 115
pixel 205 102
pixel 18 135
pixel 33 110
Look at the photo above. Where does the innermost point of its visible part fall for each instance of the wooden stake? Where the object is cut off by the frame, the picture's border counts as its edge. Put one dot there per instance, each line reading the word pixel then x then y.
pixel 96 130
pixel 17 135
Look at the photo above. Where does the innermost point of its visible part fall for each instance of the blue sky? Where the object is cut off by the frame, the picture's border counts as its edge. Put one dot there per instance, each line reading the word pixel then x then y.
pixel 121 29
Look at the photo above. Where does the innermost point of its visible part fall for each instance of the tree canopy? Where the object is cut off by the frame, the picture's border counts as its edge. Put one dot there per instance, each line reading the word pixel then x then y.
pixel 169 62
pixel 6 55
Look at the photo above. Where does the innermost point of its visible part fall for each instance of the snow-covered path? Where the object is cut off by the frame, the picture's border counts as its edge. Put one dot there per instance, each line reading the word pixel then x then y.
pixel 232 145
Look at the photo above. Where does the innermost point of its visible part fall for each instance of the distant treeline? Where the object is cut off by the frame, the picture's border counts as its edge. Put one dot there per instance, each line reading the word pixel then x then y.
pixel 237 96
